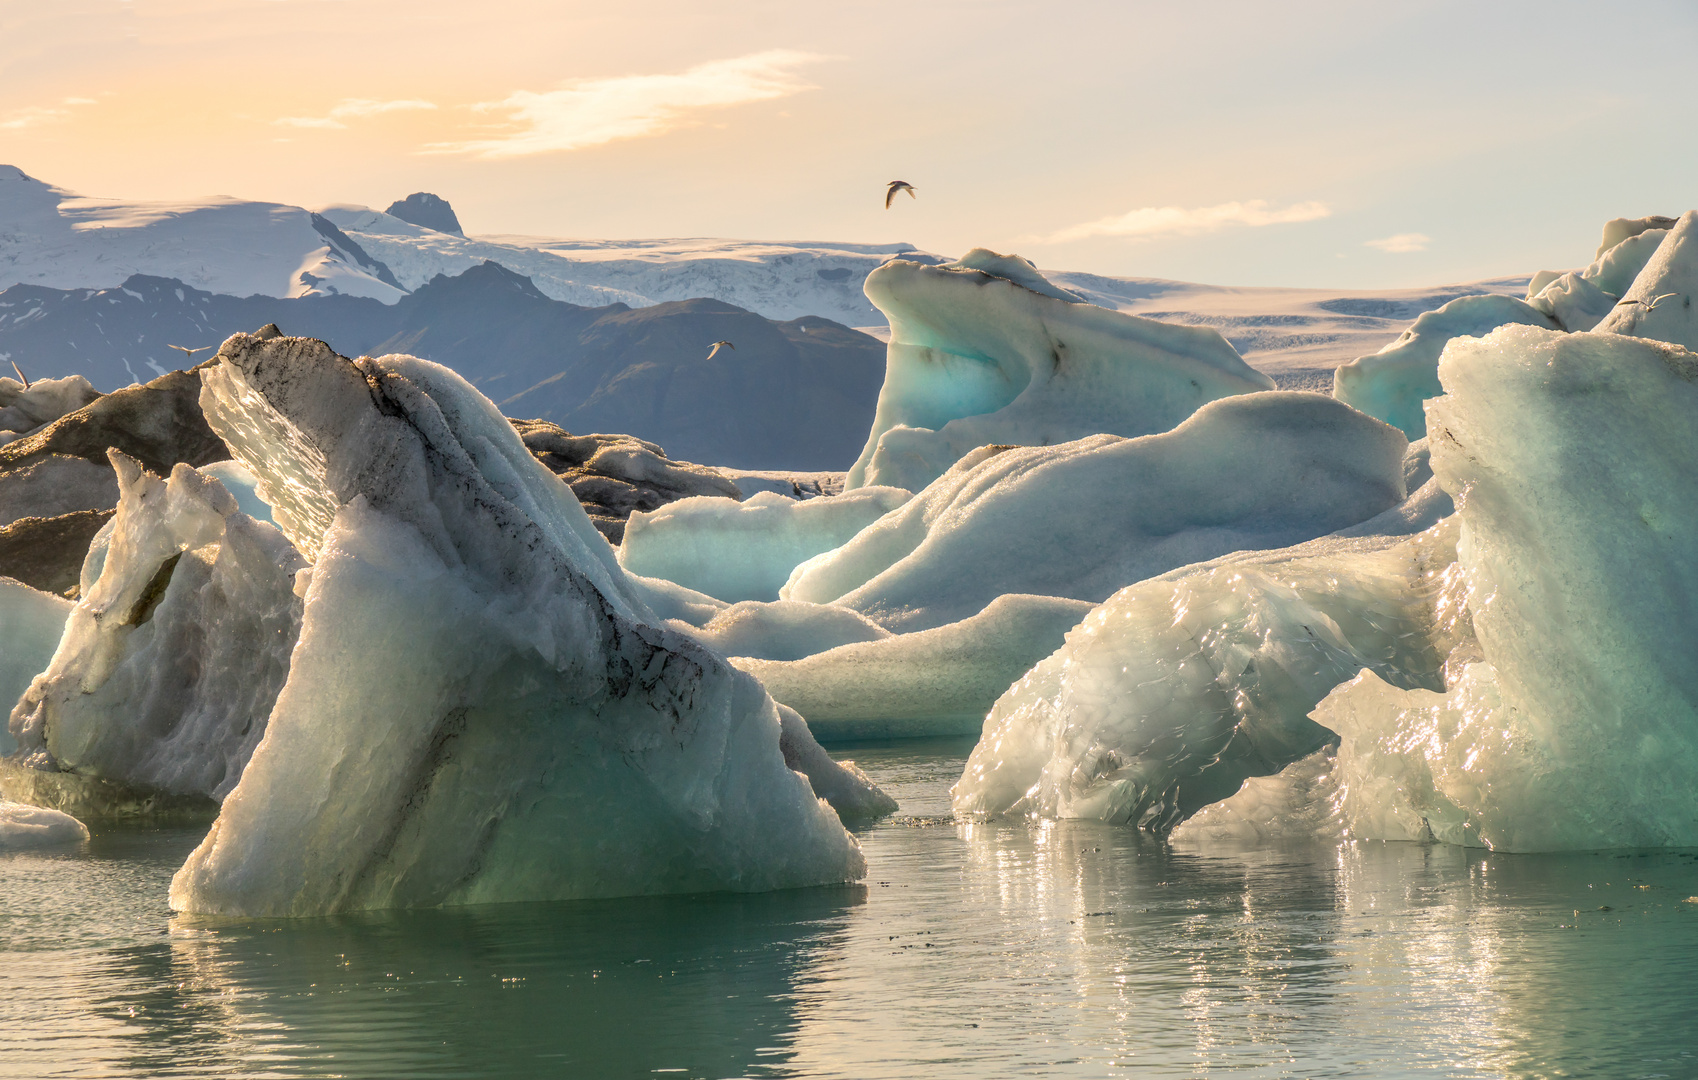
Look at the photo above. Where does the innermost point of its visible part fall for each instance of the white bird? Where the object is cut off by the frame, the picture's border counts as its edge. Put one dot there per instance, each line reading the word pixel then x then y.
pixel 190 353
pixel 894 187
pixel 713 352
pixel 1651 305
pixel 21 377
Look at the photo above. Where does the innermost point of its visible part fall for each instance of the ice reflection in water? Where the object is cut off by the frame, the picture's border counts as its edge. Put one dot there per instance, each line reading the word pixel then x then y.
pixel 1002 949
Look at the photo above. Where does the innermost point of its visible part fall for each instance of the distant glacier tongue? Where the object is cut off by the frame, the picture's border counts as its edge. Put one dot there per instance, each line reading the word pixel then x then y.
pixel 480 707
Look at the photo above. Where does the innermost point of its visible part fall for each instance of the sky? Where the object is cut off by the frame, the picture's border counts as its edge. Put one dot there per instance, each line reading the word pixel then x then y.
pixel 1300 143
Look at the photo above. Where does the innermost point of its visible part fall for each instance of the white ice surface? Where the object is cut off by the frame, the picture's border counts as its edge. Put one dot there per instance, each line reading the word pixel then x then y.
pixel 1084 519
pixel 746 550
pixel 980 359
pixel 53 237
pixel 482 706
pixel 24 826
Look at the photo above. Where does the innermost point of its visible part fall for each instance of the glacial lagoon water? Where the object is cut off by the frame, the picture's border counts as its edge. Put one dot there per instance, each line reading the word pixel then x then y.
pixel 999 950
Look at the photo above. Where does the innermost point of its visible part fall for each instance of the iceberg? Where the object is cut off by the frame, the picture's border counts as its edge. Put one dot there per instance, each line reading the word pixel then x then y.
pixel 1668 281
pixel 985 351
pixel 480 707
pixel 24 826
pixel 1574 721
pixel 161 685
pixel 1512 677
pixel 736 551
pixel 1169 696
pixel 1082 519
pixel 23 409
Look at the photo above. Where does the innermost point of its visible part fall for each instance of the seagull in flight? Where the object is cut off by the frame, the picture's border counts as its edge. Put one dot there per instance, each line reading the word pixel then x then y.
pixel 21 376
pixel 1651 304
pixel 898 185
pixel 718 345
pixel 188 352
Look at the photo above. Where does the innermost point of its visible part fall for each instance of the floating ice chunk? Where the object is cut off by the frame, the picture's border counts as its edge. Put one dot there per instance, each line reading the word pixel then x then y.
pixel 1670 281
pixel 1573 302
pixel 734 550
pixel 1575 722
pixel 1167 697
pixel 31 623
pixel 929 682
pixel 34 826
pixel 1085 518
pixel 996 355
pixel 1391 384
pixel 170 664
pixel 481 707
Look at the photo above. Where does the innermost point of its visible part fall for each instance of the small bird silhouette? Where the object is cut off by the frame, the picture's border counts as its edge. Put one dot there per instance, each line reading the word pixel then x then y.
pixel 21 376
pixel 1651 304
pixel 718 345
pixel 895 186
pixel 188 351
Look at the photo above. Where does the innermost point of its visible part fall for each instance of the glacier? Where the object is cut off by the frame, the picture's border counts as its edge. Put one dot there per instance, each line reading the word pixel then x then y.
pixel 480 706
pixel 985 351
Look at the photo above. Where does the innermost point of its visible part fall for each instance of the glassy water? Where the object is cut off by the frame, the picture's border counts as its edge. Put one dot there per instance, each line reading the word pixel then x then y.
pixel 971 951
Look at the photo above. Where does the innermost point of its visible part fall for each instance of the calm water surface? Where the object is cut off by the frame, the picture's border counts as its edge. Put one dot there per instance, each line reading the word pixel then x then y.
pixel 971 951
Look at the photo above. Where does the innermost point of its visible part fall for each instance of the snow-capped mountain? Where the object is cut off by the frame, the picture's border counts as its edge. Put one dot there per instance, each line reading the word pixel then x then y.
pixel 56 238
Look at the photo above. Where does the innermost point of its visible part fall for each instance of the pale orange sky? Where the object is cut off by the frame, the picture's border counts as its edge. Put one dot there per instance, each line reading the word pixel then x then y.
pixel 1304 143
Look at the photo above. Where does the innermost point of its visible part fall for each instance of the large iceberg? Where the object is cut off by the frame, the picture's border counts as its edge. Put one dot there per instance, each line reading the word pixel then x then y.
pixel 1514 676
pixel 160 687
pixel 985 351
pixel 1574 723
pixel 481 706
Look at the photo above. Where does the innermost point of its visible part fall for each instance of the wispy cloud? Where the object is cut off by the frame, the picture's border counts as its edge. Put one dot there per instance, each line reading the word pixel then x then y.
pixel 1401 244
pixel 1151 221
pixel 37 115
pixel 590 112
pixel 352 109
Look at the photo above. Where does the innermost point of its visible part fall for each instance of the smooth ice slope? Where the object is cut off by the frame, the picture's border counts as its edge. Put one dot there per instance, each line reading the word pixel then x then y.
pixel 1575 725
pixel 31 623
pixel 480 707
pixel 984 351
pixel 1391 384
pixel 746 550
pixel 169 665
pixel 1086 518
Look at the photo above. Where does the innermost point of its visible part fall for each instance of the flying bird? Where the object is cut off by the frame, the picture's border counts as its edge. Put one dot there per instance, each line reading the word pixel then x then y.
pixel 894 187
pixel 718 345
pixel 1651 304
pixel 21 376
pixel 188 351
